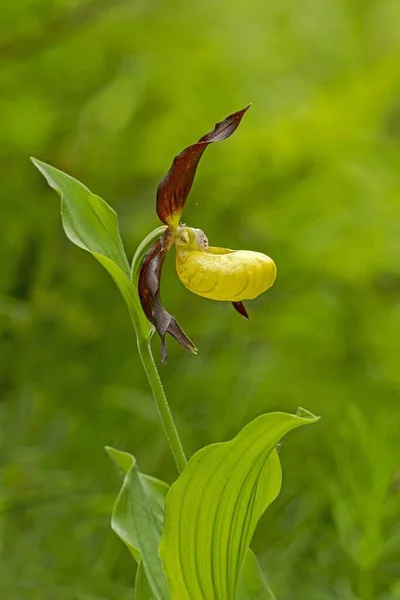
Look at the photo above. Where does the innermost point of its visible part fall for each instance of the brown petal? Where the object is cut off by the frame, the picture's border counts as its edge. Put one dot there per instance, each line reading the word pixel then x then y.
pixel 241 309
pixel 175 187
pixel 149 293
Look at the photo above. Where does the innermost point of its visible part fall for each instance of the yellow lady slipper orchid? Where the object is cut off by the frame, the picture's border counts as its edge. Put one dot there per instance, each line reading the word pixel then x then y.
pixel 215 273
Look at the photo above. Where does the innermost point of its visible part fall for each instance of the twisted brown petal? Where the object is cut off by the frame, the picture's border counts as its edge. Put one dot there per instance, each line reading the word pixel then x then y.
pixel 176 185
pixel 149 293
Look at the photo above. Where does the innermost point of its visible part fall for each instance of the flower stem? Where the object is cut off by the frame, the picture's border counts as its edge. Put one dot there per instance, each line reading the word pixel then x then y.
pixel 143 338
pixel 162 403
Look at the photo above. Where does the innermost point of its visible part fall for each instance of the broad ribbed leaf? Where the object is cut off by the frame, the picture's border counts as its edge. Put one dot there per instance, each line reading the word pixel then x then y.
pixel 126 522
pixel 214 506
pixel 138 519
pixel 90 223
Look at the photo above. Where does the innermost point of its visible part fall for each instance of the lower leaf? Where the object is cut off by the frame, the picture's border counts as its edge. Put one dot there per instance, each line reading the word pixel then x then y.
pixel 213 508
pixel 138 520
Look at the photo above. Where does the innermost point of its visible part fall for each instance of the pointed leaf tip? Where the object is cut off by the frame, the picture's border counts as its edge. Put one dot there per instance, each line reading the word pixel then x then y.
pixel 123 459
pixel 305 414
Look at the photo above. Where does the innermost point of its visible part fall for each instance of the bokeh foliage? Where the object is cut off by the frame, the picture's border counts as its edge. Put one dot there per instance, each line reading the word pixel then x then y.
pixel 110 92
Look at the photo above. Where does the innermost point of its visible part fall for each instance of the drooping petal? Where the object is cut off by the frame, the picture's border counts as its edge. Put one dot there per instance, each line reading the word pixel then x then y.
pixel 150 298
pixel 241 309
pixel 175 187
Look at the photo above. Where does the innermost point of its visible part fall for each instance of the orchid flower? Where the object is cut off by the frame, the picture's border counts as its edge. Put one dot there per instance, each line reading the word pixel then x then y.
pixel 215 273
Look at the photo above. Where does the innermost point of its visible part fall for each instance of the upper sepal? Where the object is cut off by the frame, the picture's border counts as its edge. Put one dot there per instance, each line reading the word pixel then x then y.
pixel 150 298
pixel 176 185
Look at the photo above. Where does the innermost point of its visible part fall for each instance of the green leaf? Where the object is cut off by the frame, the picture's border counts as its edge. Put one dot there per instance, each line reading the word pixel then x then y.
pixel 126 517
pixel 90 223
pixel 213 508
pixel 143 589
pixel 252 583
pixel 138 520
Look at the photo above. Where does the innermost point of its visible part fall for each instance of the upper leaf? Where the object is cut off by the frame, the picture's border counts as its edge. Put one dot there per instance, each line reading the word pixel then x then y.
pixel 177 183
pixel 214 506
pixel 138 520
pixel 90 223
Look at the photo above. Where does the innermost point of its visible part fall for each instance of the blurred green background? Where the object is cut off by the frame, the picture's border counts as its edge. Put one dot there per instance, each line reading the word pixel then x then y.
pixel 110 92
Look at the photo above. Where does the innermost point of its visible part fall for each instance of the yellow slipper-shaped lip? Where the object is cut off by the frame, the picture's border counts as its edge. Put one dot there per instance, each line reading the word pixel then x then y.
pixel 221 273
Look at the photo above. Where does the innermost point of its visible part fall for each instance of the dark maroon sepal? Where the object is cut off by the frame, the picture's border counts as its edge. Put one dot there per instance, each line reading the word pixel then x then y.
pixel 241 309
pixel 149 293
pixel 176 185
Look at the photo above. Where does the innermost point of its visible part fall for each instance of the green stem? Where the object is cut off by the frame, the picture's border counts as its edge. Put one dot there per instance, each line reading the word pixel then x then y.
pixel 143 337
pixel 162 403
